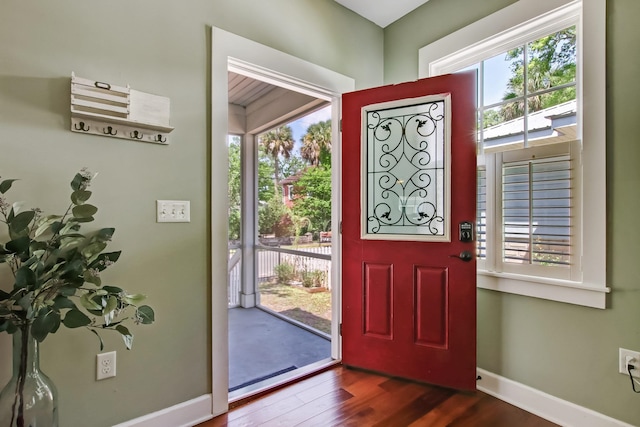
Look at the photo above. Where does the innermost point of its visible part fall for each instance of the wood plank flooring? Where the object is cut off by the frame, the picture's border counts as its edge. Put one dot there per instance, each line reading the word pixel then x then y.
pixel 348 397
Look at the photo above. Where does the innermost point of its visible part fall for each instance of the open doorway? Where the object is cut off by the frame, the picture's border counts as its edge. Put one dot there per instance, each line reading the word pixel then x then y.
pixel 280 237
pixel 272 66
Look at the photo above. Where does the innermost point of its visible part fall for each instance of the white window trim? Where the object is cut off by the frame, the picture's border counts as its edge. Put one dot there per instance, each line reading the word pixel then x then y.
pixel 458 48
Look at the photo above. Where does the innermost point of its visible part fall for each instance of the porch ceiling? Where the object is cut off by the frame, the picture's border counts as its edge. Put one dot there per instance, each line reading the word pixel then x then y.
pixel 256 106
pixel 244 90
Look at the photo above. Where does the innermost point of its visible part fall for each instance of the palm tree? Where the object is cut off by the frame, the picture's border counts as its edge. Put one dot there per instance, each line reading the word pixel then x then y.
pixel 551 62
pixel 276 143
pixel 316 143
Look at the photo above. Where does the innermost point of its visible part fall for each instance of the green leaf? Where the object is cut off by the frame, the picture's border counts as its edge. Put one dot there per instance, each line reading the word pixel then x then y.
pixel 90 252
pixel 92 278
pixel 134 299
pixel 88 303
pixel 19 245
pixel 25 278
pixel 20 222
pixel 44 223
pixel 47 321
pixel 101 262
pixel 61 302
pixel 83 211
pixel 83 220
pixel 73 269
pixel 145 314
pixel 76 319
pixel 67 291
pixel 112 289
pixel 64 228
pixel 105 234
pixel 78 197
pixel 112 303
pixel 77 182
pixel 6 185
pixel 56 226
pixel 126 336
pixel 37 246
pixel 67 241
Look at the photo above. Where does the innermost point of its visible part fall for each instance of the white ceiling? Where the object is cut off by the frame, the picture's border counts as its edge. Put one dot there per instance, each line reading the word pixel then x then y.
pixel 382 12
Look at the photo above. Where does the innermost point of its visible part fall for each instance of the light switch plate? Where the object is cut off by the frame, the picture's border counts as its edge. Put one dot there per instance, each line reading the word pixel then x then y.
pixel 173 211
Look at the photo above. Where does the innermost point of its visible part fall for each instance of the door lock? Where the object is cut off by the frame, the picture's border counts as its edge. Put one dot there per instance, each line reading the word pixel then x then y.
pixel 465 229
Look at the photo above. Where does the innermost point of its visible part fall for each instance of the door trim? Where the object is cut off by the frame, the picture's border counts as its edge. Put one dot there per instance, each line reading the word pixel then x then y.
pixel 298 75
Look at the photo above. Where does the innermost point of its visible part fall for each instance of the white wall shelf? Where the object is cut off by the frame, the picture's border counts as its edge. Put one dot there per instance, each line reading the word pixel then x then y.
pixel 104 109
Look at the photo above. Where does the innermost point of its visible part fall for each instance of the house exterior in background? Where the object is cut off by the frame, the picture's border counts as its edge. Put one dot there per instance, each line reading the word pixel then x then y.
pixel 287 187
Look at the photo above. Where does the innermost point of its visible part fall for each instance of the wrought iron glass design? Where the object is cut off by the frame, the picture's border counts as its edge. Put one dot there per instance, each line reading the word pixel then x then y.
pixel 406 153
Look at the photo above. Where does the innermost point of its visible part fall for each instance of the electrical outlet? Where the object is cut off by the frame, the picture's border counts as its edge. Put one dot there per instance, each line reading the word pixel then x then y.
pixel 106 365
pixel 624 356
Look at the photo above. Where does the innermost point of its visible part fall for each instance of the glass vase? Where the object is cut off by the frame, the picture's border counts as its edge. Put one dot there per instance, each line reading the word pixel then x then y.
pixel 30 398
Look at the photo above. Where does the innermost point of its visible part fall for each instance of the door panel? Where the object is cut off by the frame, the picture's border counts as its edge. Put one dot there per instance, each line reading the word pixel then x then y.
pixel 431 307
pixel 378 300
pixel 408 298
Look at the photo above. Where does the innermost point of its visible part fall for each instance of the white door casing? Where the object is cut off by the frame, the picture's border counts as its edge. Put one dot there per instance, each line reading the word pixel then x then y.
pixel 276 67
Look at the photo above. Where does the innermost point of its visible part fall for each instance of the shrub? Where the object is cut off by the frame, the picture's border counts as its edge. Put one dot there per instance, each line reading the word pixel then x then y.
pixel 313 278
pixel 285 272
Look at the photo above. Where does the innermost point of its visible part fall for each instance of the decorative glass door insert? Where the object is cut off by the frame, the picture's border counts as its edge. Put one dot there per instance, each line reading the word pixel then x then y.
pixel 406 169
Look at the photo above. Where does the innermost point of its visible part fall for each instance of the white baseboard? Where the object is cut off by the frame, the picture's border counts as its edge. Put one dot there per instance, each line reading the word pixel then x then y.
pixel 185 414
pixel 562 412
pixel 542 404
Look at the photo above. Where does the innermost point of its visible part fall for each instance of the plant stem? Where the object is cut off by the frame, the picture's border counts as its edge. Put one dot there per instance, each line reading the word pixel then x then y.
pixel 22 374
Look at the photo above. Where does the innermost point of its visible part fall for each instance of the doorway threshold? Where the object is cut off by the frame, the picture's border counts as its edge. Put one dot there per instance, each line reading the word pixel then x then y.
pixel 242 395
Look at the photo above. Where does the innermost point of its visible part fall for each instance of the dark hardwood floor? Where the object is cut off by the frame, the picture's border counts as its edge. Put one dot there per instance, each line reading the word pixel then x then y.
pixel 348 397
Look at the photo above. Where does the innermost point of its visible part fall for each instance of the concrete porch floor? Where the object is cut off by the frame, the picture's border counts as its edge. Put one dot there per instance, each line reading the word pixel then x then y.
pixel 261 344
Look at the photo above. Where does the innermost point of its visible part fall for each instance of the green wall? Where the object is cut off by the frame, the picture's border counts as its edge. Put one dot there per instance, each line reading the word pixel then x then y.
pixel 161 47
pixel 567 351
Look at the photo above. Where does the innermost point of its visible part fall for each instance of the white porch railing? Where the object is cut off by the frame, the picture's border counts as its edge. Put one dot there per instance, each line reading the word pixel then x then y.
pixel 314 258
pixel 234 279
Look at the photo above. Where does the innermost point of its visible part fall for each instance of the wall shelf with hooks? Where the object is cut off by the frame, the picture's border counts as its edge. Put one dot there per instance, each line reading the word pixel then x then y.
pixel 100 108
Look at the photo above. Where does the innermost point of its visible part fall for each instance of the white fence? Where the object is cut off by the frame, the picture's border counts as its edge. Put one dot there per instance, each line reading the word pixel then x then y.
pixel 319 259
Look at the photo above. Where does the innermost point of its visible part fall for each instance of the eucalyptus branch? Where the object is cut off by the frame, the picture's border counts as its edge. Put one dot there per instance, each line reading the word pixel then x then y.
pixel 57 281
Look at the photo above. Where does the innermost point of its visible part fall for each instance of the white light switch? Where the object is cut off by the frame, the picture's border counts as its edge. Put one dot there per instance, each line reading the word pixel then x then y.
pixel 173 211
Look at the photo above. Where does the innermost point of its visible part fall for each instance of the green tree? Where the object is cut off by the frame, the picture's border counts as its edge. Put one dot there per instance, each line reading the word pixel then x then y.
pixel 235 186
pixel 270 214
pixel 266 176
pixel 314 203
pixel 276 143
pixel 292 165
pixel 551 62
pixel 316 144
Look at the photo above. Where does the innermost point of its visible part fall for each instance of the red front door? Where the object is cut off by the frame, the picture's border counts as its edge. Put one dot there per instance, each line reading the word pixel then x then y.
pixel 409 198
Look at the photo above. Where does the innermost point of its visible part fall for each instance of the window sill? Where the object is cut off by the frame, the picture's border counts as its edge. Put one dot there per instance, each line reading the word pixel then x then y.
pixel 539 287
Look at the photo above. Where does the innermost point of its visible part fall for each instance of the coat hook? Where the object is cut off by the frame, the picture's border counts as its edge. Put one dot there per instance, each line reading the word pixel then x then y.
pixel 135 134
pixel 81 127
pixel 159 138
pixel 109 131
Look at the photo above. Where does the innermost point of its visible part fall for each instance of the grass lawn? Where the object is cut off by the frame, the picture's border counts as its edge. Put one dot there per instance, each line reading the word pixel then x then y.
pixel 312 309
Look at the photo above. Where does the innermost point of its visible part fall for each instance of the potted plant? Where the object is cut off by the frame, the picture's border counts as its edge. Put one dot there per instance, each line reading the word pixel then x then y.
pixel 56 273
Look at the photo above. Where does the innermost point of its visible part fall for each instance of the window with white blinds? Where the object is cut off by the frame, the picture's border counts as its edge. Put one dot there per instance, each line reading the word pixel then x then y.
pixel 536 212
pixel 541 145
pixel 481 215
